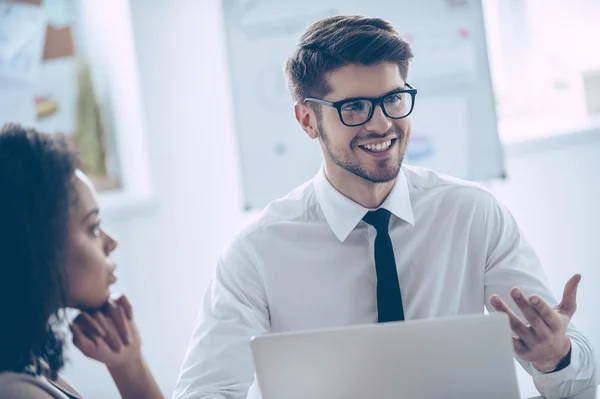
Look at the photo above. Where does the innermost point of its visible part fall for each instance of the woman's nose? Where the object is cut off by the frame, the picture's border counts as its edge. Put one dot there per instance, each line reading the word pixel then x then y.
pixel 111 242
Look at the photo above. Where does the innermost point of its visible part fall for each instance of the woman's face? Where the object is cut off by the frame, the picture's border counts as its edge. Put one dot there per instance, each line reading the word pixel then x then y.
pixel 89 269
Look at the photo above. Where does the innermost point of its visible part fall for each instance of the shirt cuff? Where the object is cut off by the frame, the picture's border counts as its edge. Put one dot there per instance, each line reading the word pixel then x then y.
pixel 565 374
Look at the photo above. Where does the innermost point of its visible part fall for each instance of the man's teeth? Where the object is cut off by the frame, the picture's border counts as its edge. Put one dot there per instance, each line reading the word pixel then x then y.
pixel 378 147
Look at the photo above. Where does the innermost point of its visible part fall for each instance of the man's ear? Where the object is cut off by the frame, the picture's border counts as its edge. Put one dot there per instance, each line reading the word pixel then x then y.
pixel 307 119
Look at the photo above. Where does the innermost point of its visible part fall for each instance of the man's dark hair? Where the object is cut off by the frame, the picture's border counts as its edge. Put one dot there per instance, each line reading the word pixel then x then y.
pixel 335 42
pixel 36 189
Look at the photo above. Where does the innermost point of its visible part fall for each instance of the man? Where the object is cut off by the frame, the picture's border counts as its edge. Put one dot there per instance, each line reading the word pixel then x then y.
pixel 331 253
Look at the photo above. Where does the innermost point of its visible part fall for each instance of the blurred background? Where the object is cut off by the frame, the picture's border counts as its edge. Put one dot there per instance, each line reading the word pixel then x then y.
pixel 180 112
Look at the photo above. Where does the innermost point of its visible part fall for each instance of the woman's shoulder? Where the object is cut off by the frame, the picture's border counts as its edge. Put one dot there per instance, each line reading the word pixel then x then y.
pixel 21 385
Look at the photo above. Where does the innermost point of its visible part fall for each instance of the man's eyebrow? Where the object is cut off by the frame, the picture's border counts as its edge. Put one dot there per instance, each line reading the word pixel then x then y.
pixel 370 98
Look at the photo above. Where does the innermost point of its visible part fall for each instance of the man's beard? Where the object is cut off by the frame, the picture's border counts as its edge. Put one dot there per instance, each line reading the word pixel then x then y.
pixel 384 172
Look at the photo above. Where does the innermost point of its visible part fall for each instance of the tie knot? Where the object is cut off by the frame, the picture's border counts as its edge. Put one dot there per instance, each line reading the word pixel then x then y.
pixel 380 219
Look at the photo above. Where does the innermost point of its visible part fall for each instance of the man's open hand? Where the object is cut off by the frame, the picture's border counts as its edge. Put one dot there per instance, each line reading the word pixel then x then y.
pixel 544 342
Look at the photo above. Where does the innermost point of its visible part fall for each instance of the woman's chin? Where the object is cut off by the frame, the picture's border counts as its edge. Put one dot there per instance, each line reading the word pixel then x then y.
pixel 93 304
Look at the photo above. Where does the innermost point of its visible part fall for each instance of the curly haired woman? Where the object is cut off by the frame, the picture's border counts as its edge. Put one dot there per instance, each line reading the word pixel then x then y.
pixel 55 255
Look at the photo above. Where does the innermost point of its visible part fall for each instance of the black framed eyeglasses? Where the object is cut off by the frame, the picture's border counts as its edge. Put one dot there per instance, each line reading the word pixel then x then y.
pixel 358 111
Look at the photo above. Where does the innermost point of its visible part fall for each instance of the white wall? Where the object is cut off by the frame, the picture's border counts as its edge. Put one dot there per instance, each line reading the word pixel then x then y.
pixel 168 250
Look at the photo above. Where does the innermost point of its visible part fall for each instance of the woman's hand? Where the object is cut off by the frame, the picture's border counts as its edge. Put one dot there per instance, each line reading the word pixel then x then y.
pixel 108 335
pixel 111 337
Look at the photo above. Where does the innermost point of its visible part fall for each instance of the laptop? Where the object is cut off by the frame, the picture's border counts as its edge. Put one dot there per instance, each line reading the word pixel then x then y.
pixel 452 357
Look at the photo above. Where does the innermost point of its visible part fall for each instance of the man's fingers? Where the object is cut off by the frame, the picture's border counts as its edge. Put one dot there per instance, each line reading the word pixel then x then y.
pixel 123 302
pixel 571 287
pixel 540 328
pixel 568 305
pixel 117 316
pixel 515 323
pixel 548 314
pixel 521 348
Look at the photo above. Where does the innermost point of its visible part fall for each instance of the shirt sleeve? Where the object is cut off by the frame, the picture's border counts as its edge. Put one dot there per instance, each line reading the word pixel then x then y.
pixel 511 262
pixel 218 362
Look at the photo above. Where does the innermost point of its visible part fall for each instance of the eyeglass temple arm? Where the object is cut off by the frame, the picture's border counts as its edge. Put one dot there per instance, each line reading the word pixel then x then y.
pixel 318 101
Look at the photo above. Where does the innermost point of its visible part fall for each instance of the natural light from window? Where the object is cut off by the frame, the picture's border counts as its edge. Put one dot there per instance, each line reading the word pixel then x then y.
pixel 545 61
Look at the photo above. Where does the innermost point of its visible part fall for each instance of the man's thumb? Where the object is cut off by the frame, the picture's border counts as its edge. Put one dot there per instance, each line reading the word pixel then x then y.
pixel 569 300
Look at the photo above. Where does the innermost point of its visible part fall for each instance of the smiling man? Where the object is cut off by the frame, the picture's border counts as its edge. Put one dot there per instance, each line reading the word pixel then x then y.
pixel 370 239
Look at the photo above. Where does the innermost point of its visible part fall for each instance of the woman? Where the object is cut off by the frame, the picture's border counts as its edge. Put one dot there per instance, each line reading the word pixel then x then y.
pixel 54 254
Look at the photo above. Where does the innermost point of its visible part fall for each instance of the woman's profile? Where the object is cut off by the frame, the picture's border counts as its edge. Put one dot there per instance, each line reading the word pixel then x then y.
pixel 54 254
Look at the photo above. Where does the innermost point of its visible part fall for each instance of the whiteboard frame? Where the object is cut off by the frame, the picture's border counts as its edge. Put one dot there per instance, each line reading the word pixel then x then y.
pixel 485 152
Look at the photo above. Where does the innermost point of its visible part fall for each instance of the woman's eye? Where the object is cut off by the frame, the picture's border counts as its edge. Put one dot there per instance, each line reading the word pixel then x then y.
pixel 96 229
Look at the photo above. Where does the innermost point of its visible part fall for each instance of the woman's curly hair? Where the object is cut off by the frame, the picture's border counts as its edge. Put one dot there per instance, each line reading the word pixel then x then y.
pixel 36 189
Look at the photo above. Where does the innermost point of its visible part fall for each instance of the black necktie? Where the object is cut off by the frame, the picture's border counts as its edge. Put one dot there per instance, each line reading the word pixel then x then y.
pixel 389 298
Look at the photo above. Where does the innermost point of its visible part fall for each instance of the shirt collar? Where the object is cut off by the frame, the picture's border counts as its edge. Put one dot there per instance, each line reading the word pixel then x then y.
pixel 343 214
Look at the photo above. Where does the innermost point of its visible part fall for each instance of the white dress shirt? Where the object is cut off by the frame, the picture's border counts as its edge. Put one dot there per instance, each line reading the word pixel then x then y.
pixel 308 262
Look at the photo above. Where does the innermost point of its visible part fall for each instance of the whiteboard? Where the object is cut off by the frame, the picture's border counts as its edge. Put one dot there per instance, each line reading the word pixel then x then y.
pixel 454 123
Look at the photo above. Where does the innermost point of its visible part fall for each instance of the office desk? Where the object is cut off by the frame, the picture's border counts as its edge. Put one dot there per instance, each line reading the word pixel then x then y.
pixel 590 393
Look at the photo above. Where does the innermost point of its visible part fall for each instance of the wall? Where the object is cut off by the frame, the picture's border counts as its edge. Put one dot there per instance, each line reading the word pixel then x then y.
pixel 553 190
pixel 168 249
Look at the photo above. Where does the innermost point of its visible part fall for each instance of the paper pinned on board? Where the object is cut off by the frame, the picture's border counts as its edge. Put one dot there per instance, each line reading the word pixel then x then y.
pixel 56 94
pixel 22 36
pixel 58 13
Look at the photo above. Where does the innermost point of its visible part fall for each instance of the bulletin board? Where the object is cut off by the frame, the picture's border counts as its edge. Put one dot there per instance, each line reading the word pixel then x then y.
pixel 46 84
